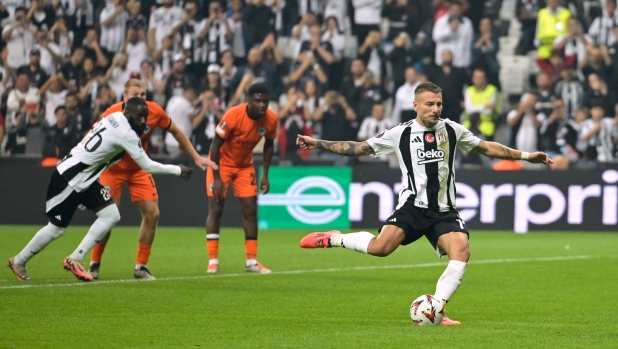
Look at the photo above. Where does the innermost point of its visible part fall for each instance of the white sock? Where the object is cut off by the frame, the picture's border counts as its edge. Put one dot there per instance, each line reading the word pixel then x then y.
pixel 251 262
pixel 353 241
pixel 450 280
pixel 41 239
pixel 108 217
pixel 137 266
pixel 213 261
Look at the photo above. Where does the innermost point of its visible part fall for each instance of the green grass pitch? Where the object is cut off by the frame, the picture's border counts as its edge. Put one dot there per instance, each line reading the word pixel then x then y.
pixel 539 290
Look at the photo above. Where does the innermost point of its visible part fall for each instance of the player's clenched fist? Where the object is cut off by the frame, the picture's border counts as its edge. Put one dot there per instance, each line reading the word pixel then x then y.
pixel 306 142
pixel 185 172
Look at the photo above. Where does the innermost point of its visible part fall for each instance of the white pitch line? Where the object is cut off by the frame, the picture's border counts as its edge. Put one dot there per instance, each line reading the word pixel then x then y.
pixel 291 272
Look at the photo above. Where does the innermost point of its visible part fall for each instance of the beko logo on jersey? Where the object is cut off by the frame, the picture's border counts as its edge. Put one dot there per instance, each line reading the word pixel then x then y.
pixel 428 156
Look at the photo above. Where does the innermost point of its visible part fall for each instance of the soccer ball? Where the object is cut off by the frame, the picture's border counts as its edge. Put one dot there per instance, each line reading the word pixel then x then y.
pixel 426 311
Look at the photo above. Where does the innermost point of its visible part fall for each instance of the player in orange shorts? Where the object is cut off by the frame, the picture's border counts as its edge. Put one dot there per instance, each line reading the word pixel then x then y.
pixel 238 132
pixel 141 185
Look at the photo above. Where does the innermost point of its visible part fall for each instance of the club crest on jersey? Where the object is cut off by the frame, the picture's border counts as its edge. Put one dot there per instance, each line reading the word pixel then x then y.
pixel 147 129
pixel 429 156
pixel 429 138
pixel 261 131
pixel 441 137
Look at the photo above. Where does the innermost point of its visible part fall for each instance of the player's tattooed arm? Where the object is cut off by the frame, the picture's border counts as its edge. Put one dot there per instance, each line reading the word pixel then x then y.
pixel 496 150
pixel 345 148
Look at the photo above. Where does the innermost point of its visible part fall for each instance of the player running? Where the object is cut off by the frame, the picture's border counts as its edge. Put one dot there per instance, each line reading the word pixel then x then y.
pixel 426 150
pixel 75 183
pixel 141 184
pixel 237 134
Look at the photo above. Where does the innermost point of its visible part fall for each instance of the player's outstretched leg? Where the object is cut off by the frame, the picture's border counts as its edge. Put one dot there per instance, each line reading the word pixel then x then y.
pixel 43 237
pixel 108 217
pixel 215 211
pixel 455 244
pixel 381 246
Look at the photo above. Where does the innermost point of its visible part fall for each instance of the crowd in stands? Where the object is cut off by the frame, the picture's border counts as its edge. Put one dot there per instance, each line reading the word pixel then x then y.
pixel 336 69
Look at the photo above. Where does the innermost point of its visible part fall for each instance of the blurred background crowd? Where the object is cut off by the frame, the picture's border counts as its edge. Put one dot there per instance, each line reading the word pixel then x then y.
pixel 533 74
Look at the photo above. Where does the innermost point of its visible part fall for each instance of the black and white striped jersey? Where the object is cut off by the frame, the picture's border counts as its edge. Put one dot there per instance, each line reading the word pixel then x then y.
pixel 426 159
pixel 103 146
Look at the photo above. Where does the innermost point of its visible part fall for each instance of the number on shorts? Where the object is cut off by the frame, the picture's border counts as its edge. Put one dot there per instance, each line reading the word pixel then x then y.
pixel 253 179
pixel 105 194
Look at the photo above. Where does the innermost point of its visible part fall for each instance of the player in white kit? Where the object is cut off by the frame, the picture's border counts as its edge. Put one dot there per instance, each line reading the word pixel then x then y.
pixel 425 148
pixel 75 183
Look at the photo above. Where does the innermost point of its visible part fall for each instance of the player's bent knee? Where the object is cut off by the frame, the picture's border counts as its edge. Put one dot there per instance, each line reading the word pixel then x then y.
pixel 110 213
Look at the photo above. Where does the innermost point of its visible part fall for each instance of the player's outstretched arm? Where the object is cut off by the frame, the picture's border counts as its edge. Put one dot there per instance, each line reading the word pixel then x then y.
pixel 185 143
pixel 346 148
pixel 133 146
pixel 499 151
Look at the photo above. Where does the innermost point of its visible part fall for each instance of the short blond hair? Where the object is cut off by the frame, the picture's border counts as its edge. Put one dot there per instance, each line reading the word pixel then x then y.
pixel 134 83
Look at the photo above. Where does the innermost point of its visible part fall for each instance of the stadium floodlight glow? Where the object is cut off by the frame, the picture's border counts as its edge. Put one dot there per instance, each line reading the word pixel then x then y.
pixel 295 198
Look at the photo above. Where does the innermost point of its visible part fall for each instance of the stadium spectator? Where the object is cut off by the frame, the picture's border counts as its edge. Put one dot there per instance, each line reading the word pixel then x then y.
pixel 216 33
pixel 63 136
pixel 270 53
pixel 294 117
pixel 118 73
pixel 484 50
pixel 254 72
pixel 597 61
pixel 153 85
pixel 544 95
pixel 401 57
pixel 50 53
pixel 366 18
pixel 552 22
pixel 136 20
pixel 598 91
pixel 22 99
pixel 402 16
pixel 5 77
pixel 310 6
pixel 135 48
pixel 573 44
pixel 113 20
pixel 190 30
pixel 28 135
pixel 71 70
pixel 87 83
pixel 162 22
pixel 228 70
pixel 374 124
pixel 41 15
pixel 484 99
pixel 527 12
pixel 525 123
pixel 301 31
pixel 179 79
pixel 76 116
pixel 336 117
pixel 334 36
pixel 363 96
pixel 37 75
pixel 54 93
pixel 599 133
pixel 212 82
pixel 205 122
pixel 601 29
pixel 311 100
pixel 182 111
pixel 454 31
pixel 104 99
pixel 259 20
pixel 555 65
pixel 338 10
pixel 571 91
pixel 19 38
pixel 403 108
pixel 61 36
pixel 234 15
pixel 452 81
pixel 163 58
pixel 373 55
pixel 99 55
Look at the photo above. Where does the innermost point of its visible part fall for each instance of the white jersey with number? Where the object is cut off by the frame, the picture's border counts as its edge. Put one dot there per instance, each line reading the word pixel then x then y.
pixel 426 158
pixel 104 145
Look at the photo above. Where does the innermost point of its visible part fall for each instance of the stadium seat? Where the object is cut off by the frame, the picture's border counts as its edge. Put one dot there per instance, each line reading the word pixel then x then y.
pixel 507 11
pixel 514 74
pixel 351 47
pixel 507 45
pixel 501 27
pixel 286 45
